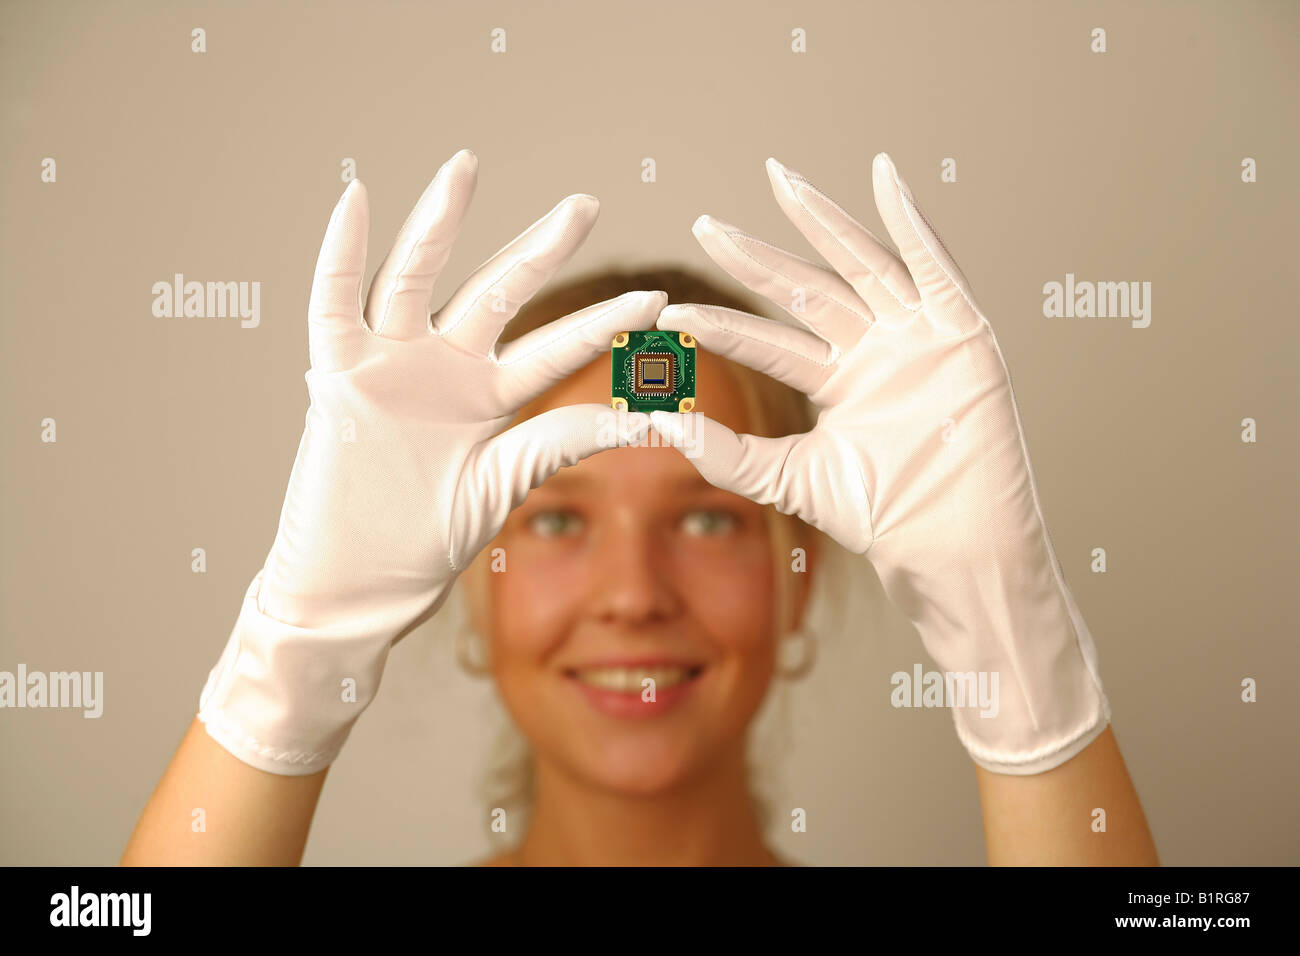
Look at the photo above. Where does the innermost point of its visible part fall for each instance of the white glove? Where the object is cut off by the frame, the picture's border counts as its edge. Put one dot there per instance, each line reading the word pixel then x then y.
pixel 917 461
pixel 399 480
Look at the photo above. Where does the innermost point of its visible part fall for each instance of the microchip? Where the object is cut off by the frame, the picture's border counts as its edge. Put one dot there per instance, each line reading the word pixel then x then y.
pixel 653 373
pixel 653 370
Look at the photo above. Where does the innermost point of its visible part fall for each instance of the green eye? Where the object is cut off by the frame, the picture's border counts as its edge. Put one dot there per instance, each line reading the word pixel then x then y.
pixel 708 522
pixel 554 524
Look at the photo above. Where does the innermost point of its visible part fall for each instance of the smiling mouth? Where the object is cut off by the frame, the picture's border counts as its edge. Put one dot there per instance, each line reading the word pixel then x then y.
pixel 631 680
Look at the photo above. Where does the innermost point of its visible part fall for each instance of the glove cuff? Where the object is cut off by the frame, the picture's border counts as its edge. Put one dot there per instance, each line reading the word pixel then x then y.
pixel 1019 662
pixel 283 698
pixel 1052 702
pixel 1044 758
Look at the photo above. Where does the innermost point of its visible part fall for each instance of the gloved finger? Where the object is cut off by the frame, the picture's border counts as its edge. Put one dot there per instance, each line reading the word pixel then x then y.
pixel 747 465
pixel 398 304
pixel 944 290
pixel 474 317
pixel 537 360
pixel 870 266
pixel 502 470
pixel 790 355
pixel 793 473
pixel 334 309
pixel 815 296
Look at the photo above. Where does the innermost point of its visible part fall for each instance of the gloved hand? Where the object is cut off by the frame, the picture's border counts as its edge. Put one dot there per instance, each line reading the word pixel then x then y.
pixel 401 475
pixel 917 461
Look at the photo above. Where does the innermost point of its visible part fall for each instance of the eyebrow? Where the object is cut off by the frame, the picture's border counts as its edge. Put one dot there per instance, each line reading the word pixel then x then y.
pixel 567 478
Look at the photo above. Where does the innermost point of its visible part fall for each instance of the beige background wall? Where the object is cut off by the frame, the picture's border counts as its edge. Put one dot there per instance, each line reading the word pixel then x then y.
pixel 179 433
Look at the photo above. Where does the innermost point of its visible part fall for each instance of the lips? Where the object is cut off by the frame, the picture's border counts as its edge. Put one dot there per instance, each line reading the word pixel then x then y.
pixel 632 679
pixel 621 688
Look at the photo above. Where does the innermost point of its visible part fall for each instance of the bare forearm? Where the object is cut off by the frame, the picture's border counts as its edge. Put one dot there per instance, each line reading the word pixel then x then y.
pixel 1051 818
pixel 247 817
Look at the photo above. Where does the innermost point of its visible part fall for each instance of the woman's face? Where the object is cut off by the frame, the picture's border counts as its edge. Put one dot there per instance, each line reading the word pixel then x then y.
pixel 624 568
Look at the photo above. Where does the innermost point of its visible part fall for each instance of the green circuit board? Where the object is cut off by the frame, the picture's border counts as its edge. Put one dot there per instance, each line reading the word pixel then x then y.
pixel 652 371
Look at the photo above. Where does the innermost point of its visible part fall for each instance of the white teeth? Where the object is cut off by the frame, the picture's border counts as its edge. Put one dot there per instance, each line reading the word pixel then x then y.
pixel 630 679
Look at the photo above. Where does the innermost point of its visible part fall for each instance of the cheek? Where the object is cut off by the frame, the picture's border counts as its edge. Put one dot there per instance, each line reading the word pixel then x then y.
pixel 534 605
pixel 728 589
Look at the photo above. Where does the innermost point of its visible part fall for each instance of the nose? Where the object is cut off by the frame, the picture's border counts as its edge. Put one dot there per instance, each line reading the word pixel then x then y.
pixel 629 575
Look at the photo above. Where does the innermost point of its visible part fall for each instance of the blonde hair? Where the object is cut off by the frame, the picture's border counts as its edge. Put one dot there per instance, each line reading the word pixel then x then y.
pixel 772 408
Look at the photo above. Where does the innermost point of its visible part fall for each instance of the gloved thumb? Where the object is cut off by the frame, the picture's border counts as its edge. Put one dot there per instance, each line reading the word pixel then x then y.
pixel 502 470
pixel 746 465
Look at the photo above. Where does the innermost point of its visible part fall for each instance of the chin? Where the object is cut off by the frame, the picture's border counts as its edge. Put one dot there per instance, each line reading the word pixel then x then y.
pixel 638 768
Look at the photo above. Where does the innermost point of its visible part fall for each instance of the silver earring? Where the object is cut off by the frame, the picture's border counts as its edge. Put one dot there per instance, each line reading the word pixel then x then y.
pixel 808 654
pixel 465 637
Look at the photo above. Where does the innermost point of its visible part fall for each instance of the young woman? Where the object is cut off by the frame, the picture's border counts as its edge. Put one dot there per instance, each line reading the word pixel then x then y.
pixel 643 586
